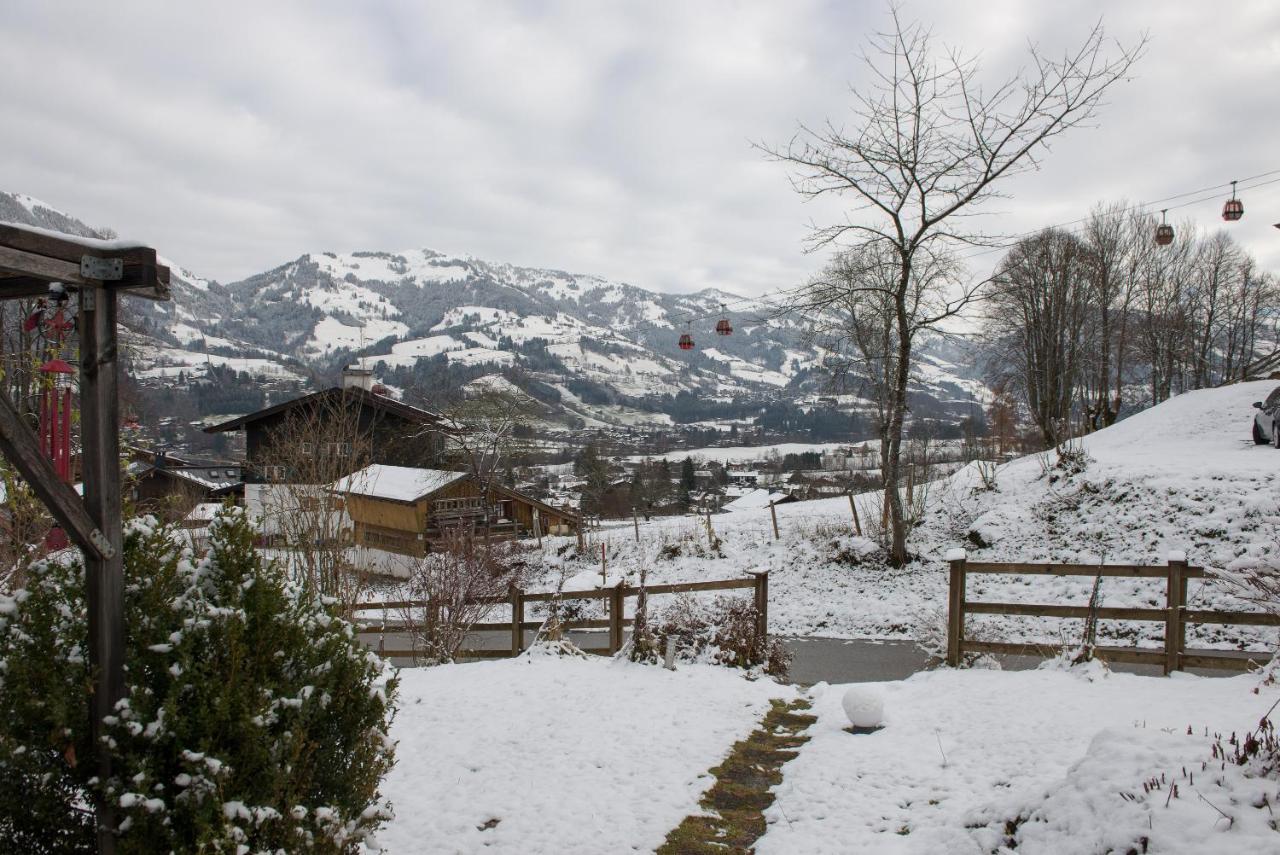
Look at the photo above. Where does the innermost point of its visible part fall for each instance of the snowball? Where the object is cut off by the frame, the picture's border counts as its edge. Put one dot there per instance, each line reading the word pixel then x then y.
pixel 956 554
pixel 863 706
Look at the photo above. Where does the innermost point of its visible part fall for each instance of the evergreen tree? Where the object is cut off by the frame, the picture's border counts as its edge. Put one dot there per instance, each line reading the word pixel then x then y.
pixel 688 480
pixel 254 719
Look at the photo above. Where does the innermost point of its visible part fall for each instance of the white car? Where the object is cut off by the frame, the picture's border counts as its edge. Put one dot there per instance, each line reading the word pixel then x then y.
pixel 1264 421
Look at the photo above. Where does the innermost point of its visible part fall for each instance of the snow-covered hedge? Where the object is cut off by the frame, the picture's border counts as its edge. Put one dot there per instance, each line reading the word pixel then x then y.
pixel 254 721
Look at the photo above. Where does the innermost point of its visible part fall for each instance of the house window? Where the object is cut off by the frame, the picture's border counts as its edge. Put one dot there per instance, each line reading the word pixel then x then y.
pixel 273 473
pixel 470 504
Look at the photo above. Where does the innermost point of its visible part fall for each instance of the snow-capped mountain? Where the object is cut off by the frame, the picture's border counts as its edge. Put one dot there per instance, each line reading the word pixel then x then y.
pixel 589 348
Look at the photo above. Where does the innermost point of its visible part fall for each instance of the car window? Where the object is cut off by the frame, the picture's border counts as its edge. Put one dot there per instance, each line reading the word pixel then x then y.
pixel 1273 399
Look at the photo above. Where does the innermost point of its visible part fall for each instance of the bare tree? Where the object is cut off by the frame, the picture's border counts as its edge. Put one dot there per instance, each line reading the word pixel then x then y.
pixel 24 522
pixel 1039 308
pixel 1114 243
pixel 461 582
pixel 485 437
pixel 306 454
pixel 931 144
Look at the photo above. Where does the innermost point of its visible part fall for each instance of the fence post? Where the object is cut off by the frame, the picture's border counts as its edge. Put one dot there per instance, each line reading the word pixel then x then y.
pixel 773 512
pixel 617 597
pixel 635 518
pixel 517 620
pixel 762 604
pixel 1175 628
pixel 955 606
pixel 853 506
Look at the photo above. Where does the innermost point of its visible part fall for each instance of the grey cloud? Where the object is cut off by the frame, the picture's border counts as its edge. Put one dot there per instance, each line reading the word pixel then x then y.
pixel 601 138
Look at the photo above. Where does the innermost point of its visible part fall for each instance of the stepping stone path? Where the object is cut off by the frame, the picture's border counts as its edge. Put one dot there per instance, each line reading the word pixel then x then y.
pixel 735 804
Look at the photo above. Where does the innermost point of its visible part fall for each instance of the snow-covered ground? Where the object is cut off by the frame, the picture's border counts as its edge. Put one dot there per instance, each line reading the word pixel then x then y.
pixel 1182 476
pixel 1061 756
pixel 752 453
pixel 548 754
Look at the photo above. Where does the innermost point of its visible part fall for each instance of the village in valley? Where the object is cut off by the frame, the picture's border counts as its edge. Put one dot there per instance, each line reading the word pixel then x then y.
pixel 887 464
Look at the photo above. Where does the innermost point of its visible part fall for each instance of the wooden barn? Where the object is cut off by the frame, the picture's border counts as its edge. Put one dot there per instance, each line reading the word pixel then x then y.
pixel 405 510
pixel 396 433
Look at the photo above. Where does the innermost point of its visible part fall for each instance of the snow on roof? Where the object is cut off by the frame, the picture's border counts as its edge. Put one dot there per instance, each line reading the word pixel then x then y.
pixel 204 512
pixel 87 242
pixel 755 500
pixel 397 483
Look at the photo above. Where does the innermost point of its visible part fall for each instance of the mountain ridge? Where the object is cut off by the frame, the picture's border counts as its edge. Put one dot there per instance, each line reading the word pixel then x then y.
pixel 593 351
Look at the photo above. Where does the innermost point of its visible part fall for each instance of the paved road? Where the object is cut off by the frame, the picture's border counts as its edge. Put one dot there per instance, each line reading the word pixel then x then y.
pixel 832 660
pixel 816 659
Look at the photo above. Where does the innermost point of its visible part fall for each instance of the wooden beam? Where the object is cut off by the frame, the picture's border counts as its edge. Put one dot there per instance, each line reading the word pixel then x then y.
pixel 28 256
pixel 1140 571
pixel 22 263
pixel 69 247
pixel 20 287
pixel 104 576
pixel 20 446
pixel 1233 618
pixel 1045 610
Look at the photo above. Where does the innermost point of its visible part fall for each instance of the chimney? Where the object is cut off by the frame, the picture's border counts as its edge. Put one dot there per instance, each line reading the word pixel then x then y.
pixel 361 378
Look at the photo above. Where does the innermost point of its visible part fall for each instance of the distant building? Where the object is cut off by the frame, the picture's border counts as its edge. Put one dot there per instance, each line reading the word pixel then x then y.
pixel 406 510
pixel 395 433
pixel 166 484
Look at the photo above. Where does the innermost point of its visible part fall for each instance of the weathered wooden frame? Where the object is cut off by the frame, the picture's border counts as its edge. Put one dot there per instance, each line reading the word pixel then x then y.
pixel 31 260
pixel 1172 656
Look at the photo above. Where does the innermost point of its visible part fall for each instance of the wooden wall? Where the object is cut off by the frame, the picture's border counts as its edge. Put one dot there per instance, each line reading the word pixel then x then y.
pixel 395 526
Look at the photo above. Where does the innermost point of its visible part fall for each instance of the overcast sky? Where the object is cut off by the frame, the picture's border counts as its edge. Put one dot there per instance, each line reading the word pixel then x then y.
pixel 607 138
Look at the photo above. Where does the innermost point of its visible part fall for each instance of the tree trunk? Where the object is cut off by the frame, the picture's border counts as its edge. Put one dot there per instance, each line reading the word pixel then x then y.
pixel 897 413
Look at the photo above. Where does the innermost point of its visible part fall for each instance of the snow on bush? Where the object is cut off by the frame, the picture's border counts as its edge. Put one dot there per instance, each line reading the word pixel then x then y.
pixel 254 719
pixel 720 632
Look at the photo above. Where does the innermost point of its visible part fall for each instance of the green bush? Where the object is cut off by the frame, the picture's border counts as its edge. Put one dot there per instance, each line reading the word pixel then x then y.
pixel 254 719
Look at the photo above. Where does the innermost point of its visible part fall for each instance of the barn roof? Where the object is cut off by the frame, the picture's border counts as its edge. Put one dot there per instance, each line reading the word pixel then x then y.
pixel 370 399
pixel 396 483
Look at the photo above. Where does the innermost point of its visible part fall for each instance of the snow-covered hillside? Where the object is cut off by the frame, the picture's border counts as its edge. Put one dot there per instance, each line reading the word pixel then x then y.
pixel 1183 476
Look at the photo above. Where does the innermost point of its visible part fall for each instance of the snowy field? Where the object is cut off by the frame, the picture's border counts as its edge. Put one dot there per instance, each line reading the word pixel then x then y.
pixel 746 454
pixel 548 754
pixel 1181 476
pixel 1061 756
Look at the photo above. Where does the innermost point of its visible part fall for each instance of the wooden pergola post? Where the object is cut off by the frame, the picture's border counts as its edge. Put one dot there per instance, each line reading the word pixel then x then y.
pixel 100 465
pixel 31 261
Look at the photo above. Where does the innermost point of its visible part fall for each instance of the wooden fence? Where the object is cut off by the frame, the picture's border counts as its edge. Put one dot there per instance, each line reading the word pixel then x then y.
pixel 616 622
pixel 1175 616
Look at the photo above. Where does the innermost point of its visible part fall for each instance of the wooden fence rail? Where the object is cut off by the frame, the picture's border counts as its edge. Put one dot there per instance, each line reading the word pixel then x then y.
pixel 1175 616
pixel 616 622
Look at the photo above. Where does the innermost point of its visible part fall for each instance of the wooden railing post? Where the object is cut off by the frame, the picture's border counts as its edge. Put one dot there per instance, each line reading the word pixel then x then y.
pixel 1175 627
pixel 762 604
pixel 617 597
pixel 955 606
pixel 517 620
pixel 853 506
